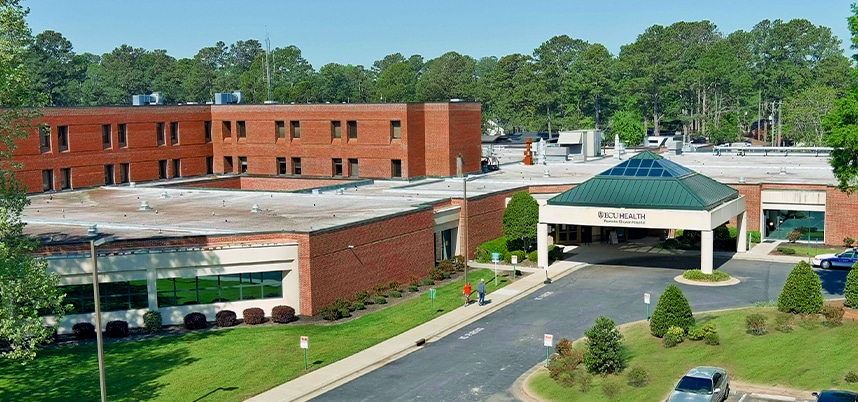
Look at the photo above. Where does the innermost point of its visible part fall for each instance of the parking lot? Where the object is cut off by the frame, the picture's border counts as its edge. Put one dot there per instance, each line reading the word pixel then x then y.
pixel 739 396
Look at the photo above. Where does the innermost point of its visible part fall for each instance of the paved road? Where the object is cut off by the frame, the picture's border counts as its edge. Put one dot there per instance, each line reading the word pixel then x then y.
pixel 482 360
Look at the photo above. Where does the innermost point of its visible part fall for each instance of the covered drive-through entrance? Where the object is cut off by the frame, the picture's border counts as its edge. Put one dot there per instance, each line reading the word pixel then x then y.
pixel 647 192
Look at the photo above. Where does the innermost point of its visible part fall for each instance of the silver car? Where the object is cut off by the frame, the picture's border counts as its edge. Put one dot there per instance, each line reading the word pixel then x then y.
pixel 702 384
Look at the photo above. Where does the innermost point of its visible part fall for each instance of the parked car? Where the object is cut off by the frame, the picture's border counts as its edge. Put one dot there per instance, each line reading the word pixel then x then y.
pixel 835 396
pixel 843 260
pixel 702 384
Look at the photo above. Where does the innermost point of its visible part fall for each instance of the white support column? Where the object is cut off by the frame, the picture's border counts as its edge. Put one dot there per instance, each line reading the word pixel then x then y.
pixel 742 233
pixel 152 287
pixel 542 245
pixel 706 240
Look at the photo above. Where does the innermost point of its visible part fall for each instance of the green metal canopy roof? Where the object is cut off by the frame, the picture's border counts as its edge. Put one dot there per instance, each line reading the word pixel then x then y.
pixel 647 180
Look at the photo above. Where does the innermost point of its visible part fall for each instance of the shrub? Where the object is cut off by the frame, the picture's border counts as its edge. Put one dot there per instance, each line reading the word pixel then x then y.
pixel 611 389
pixel 413 280
pixel 446 266
pixel 802 292
pixel 584 380
pixel 672 310
pixel 673 337
pixel 698 275
pixel 282 314
pixel 359 306
pixel 783 321
pixel 670 244
pixel 851 377
pixel 757 324
pixel 638 377
pixel 459 262
pixel 533 256
pixel 437 274
pixel 195 320
pixel 428 281
pixel 226 318
pixel 604 347
pixel 756 237
pixel 559 365
pixel 851 289
pixel 253 315
pixel 793 236
pixel 786 250
pixel 341 303
pixel 833 315
pixel 395 293
pixel 848 241
pixel 330 313
pixel 554 253
pixel 563 347
pixel 152 321
pixel 381 289
pixel 699 332
pixel 712 339
pixel 485 250
pixel 413 288
pixel 83 330
pixel 380 300
pixel 344 312
pixel 116 329
pixel 809 321
pixel 362 296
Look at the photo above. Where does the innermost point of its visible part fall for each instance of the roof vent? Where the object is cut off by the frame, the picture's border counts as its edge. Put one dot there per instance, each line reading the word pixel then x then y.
pixel 155 98
pixel 742 180
pixel 255 209
pixel 223 98
pixel 339 191
pixel 144 206
pixel 92 231
pixel 783 170
pixel 546 173
pixel 164 195
pixel 270 102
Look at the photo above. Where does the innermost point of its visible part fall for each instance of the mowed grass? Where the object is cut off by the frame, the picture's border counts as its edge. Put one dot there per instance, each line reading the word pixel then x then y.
pixel 808 358
pixel 812 251
pixel 223 365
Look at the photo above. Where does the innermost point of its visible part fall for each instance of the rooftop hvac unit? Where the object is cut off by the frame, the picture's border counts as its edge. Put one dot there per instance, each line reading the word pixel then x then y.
pixel 223 98
pixel 155 98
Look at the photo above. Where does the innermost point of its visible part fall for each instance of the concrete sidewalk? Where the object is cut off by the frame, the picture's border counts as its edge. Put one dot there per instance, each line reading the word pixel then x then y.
pixel 335 374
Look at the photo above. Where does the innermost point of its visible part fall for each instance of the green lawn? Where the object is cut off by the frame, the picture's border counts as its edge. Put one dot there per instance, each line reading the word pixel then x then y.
pixel 223 365
pixel 807 358
pixel 804 250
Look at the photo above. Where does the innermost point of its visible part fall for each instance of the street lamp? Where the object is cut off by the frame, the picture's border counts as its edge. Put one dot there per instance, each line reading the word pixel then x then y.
pixel 99 339
pixel 459 172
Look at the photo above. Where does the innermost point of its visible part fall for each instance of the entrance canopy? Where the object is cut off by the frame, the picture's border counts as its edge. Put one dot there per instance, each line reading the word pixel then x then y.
pixel 647 191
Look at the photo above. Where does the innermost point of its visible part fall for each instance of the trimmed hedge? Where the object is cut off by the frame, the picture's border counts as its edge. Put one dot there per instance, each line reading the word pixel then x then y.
pixel 253 316
pixel 672 310
pixel 802 292
pixel 226 318
pixel 83 330
pixel 851 289
pixel 116 329
pixel 485 250
pixel 283 314
pixel 698 275
pixel 195 320
pixel 152 321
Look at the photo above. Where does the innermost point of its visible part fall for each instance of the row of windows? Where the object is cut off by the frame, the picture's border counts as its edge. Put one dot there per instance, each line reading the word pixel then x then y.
pixel 45 135
pixel 295 129
pixel 337 167
pixel 124 173
pixel 117 296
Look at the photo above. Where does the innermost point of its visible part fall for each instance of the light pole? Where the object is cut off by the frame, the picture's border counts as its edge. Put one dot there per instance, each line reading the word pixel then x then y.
pixel 459 172
pixel 98 337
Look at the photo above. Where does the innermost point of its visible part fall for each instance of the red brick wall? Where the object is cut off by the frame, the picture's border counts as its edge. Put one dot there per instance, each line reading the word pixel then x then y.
pixel 841 216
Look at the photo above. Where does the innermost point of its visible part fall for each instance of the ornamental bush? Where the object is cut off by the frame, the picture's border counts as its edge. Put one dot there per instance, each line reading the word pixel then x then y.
pixel 712 339
pixel 783 321
pixel 604 348
pixel 638 377
pixel 395 293
pixel 563 347
pixel 341 303
pixel 330 313
pixel 359 306
pixel 802 292
pixel 793 236
pixel 851 377
pixel 362 296
pixel 485 250
pixel 756 324
pixel 851 289
pixel 428 282
pixel 116 329
pixel 673 337
pixel 833 315
pixel 413 288
pixel 152 321
pixel 672 310
pixel 437 274
pixel 283 314
pixel 226 318
pixel 195 320
pixel 253 315
pixel 380 300
pixel 699 332
pixel 83 330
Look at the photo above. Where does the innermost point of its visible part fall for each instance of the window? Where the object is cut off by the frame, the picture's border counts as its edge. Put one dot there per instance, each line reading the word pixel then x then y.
pixel 161 134
pixel 65 178
pixel 63 138
pixel 280 128
pixel 396 168
pixel 174 133
pixel 105 136
pixel 338 167
pixel 124 173
pixel 114 296
pixel 295 129
pixel 281 166
pixel 45 138
pixel 123 135
pixel 336 130
pixel 353 167
pixel 395 130
pixel 208 129
pixel 242 129
pixel 48 180
pixel 296 166
pixel 219 288
pixel 780 223
pixel 162 169
pixel 227 129
pixel 108 175
pixel 242 162
pixel 227 164
pixel 209 164
pixel 352 126
pixel 177 168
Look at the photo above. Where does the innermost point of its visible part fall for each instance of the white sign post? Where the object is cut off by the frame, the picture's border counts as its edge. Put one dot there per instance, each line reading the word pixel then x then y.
pixel 548 341
pixel 514 259
pixel 646 301
pixel 305 344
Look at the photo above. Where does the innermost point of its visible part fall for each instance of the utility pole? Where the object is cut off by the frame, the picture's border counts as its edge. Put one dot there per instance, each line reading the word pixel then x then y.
pixel 460 170
pixel 780 123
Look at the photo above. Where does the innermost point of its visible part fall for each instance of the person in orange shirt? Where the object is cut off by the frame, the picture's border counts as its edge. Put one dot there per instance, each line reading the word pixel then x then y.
pixel 467 292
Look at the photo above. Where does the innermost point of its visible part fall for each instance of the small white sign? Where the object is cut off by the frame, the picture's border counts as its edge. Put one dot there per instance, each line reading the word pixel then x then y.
pixel 305 342
pixel 514 259
pixel 548 340
pixel 646 298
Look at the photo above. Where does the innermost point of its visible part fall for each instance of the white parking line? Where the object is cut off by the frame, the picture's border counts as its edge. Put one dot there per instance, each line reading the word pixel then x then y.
pixel 742 399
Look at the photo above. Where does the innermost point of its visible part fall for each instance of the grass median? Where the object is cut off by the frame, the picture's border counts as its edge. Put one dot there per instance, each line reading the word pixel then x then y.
pixel 810 357
pixel 222 365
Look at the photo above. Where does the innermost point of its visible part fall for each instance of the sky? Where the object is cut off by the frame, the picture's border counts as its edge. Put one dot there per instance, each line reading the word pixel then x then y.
pixel 360 32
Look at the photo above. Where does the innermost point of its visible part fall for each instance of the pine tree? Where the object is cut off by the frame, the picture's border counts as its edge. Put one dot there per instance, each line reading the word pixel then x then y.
pixel 672 310
pixel 802 292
